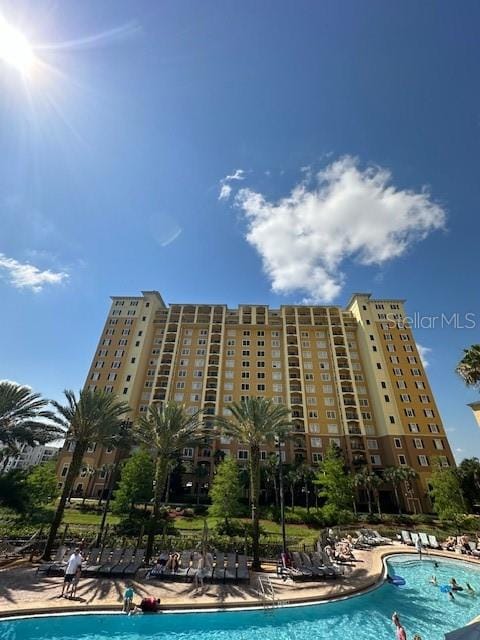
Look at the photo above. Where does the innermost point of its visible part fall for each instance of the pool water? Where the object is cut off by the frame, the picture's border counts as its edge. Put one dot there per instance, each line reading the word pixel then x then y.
pixel 422 607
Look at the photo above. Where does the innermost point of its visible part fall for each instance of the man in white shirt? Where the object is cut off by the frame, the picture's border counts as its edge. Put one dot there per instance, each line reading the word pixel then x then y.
pixel 74 563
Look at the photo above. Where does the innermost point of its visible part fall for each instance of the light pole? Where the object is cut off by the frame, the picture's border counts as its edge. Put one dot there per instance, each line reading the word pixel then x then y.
pixel 282 498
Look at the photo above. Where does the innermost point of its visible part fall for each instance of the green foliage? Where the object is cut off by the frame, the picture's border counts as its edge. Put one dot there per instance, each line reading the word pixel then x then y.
pixel 335 485
pixel 333 516
pixel 13 491
pixel 136 483
pixel 468 473
pixel 447 496
pixel 41 484
pixel 469 366
pixel 225 491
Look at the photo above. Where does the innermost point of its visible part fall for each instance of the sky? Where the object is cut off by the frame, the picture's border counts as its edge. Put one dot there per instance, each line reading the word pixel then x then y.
pixel 266 152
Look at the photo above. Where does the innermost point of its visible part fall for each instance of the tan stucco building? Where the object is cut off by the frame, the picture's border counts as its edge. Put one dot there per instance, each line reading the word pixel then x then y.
pixel 475 407
pixel 350 376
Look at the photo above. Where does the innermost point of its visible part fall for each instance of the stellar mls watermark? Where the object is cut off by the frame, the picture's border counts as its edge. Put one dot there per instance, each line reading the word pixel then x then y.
pixel 455 320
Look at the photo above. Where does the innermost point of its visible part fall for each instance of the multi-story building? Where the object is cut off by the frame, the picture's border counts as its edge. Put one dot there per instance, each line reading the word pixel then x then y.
pixel 475 407
pixel 352 377
pixel 28 456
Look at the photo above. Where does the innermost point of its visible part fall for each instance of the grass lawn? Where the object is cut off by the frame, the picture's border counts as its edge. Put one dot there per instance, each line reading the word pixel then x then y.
pixel 196 524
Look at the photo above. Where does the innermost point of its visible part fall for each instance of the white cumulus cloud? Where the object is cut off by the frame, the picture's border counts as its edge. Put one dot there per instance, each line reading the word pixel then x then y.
pixel 347 213
pixel 423 352
pixel 23 275
pixel 225 187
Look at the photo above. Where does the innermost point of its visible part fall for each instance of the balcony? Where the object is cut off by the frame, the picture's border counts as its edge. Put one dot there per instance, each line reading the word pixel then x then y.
pixel 352 416
pixel 356 445
pixel 354 431
pixel 296 399
pixel 359 459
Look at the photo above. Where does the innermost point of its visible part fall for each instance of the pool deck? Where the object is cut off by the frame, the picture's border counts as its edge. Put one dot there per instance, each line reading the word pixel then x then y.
pixel 23 592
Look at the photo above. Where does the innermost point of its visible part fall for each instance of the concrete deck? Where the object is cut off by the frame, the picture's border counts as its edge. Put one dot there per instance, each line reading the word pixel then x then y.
pixel 24 592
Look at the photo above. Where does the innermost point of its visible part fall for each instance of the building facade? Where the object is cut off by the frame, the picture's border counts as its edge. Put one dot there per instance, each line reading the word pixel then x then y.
pixel 352 377
pixel 28 456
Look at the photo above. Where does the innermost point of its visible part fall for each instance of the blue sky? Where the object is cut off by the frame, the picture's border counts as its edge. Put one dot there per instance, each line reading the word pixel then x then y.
pixel 354 130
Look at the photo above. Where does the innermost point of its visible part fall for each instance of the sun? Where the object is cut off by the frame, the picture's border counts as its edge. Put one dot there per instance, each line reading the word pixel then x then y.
pixel 15 50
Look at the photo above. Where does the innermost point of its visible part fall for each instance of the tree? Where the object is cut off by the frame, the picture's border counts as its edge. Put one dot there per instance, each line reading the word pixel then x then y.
pixel 13 490
pixel 201 472
pixel 95 416
pixel 136 482
pixel 395 475
pixel 42 484
pixel 468 473
pixel 333 481
pixel 270 470
pixel 446 493
pixel 166 430
pixel 370 482
pixel 307 475
pixel 469 366
pixel 24 418
pixel 255 422
pixel 293 478
pixel 226 491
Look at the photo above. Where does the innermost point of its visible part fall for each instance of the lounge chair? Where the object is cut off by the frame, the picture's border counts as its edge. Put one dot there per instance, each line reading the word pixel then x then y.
pixel 243 573
pixel 57 565
pixel 95 564
pixel 433 542
pixel 127 558
pixel 105 569
pixel 317 569
pixel 136 564
pixel 406 538
pixel 424 539
pixel 298 564
pixel 231 567
pixel 328 562
pixel 414 538
pixel 319 563
pixel 380 539
pixel 473 550
pixel 218 573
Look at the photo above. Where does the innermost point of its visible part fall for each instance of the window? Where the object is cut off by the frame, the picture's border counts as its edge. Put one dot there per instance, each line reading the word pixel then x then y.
pixel 278 387
pixel 438 443
pixel 99 364
pixel 229 364
pixel 405 397
pixel 313 427
pixel 317 457
pixel 428 413
pixel 311 400
pixel 331 414
pixel 413 427
pixel 325 377
pixel 95 376
pixel 401 384
pixel 433 428
pixel 260 387
pixel 397 372
pixel 178 397
pixel 372 444
pixel 397 443
pixel 276 364
pixel 185 352
pixel 334 441
pixel 419 385
pixel 423 461
pixel 418 443
pixel 410 413
pixel 245 343
pixel 242 454
pixel 332 428
pixel 316 443
pixel 313 413
pixel 200 362
pixel 402 460
pixel 180 385
pixel 424 399
pixel 415 372
pixel 187 452
pixel 444 461
pixel 196 386
pixel 112 377
pixel 116 364
pixel 392 419
pixel 366 415
pixel 386 398
pixel 246 363
pixel 376 460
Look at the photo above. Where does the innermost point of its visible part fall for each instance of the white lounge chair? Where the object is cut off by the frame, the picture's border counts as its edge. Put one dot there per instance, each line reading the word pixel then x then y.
pixel 406 537
pixel 433 542
pixel 424 539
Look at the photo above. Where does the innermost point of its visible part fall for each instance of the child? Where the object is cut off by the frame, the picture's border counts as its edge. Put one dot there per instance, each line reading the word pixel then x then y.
pixel 128 599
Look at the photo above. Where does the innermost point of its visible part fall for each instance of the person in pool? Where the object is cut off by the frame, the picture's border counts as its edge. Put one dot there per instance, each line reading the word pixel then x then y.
pixel 470 589
pixel 455 586
pixel 128 599
pixel 451 596
pixel 399 629
pixel 433 580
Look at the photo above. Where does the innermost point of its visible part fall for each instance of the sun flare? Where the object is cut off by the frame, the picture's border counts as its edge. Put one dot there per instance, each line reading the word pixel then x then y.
pixel 15 50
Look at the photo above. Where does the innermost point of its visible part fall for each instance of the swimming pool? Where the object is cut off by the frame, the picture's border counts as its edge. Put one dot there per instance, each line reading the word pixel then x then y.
pixel 423 608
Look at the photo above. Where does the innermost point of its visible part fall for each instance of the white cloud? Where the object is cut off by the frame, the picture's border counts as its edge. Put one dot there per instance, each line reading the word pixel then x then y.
pixel 423 352
pixel 28 276
pixel 225 188
pixel 348 213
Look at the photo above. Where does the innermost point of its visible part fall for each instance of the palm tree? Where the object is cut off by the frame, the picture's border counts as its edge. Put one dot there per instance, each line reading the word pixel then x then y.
pixel 307 475
pixel 367 480
pixel 395 475
pixel 166 430
pixel 255 422
pixel 293 478
pixel 95 416
pixel 24 418
pixel 271 473
pixel 201 472
pixel 469 366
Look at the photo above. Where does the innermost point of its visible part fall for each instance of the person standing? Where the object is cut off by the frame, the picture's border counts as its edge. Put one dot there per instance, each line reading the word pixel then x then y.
pixel 74 563
pixel 400 631
pixel 419 547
